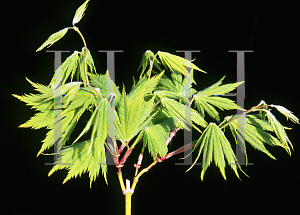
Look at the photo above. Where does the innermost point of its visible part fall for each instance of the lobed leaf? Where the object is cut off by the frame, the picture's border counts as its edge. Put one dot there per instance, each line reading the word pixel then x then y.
pixel 215 146
pixel 204 103
pixel 132 114
pixel 147 85
pixel 77 160
pixel 216 89
pixel 177 63
pixel 154 138
pixel 177 110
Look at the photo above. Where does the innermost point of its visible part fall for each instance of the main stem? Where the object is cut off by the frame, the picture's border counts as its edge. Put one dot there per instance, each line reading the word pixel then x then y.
pixel 128 203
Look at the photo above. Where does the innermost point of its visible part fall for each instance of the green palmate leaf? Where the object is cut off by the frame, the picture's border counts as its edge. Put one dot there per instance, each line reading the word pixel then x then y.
pixel 215 146
pixel 213 86
pixel 202 105
pixel 175 84
pixel 147 59
pixel 81 71
pixel 177 63
pixel 90 62
pixel 253 132
pixel 132 115
pixel 53 38
pixel 45 103
pixel 257 121
pixel 41 88
pixel 39 120
pixel 154 138
pixel 216 89
pixel 70 116
pixel 37 101
pixel 88 125
pixel 205 102
pixel 80 13
pixel 69 121
pixel 147 85
pixel 77 160
pixel 177 110
pixel 72 92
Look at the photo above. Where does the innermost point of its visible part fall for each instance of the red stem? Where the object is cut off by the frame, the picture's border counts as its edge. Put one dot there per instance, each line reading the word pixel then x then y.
pixel 128 152
pixel 177 151
pixel 171 135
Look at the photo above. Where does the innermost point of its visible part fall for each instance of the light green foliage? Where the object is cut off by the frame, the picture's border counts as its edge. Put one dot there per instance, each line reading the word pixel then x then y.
pixel 133 114
pixel 147 59
pixel 53 38
pixel 155 137
pixel 150 114
pixel 177 63
pixel 177 110
pixel 104 84
pixel 206 99
pixel 78 160
pixel 215 146
pixel 80 13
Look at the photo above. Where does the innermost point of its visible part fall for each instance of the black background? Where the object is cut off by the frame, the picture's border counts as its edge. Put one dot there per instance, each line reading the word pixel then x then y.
pixel 271 74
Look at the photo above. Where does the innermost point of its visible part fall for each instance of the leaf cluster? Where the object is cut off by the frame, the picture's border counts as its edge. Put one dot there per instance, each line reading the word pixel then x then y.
pixel 149 114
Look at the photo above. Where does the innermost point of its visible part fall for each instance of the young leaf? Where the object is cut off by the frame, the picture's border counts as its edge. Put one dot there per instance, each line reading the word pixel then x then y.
pixel 39 120
pixel 147 59
pixel 53 38
pixel 165 83
pixel 41 88
pixel 286 113
pixel 279 131
pixel 99 132
pixel 79 13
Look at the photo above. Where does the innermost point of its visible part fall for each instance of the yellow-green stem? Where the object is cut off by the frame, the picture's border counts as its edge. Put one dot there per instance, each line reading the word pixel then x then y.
pixel 85 54
pixel 85 59
pixel 128 203
pixel 127 191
